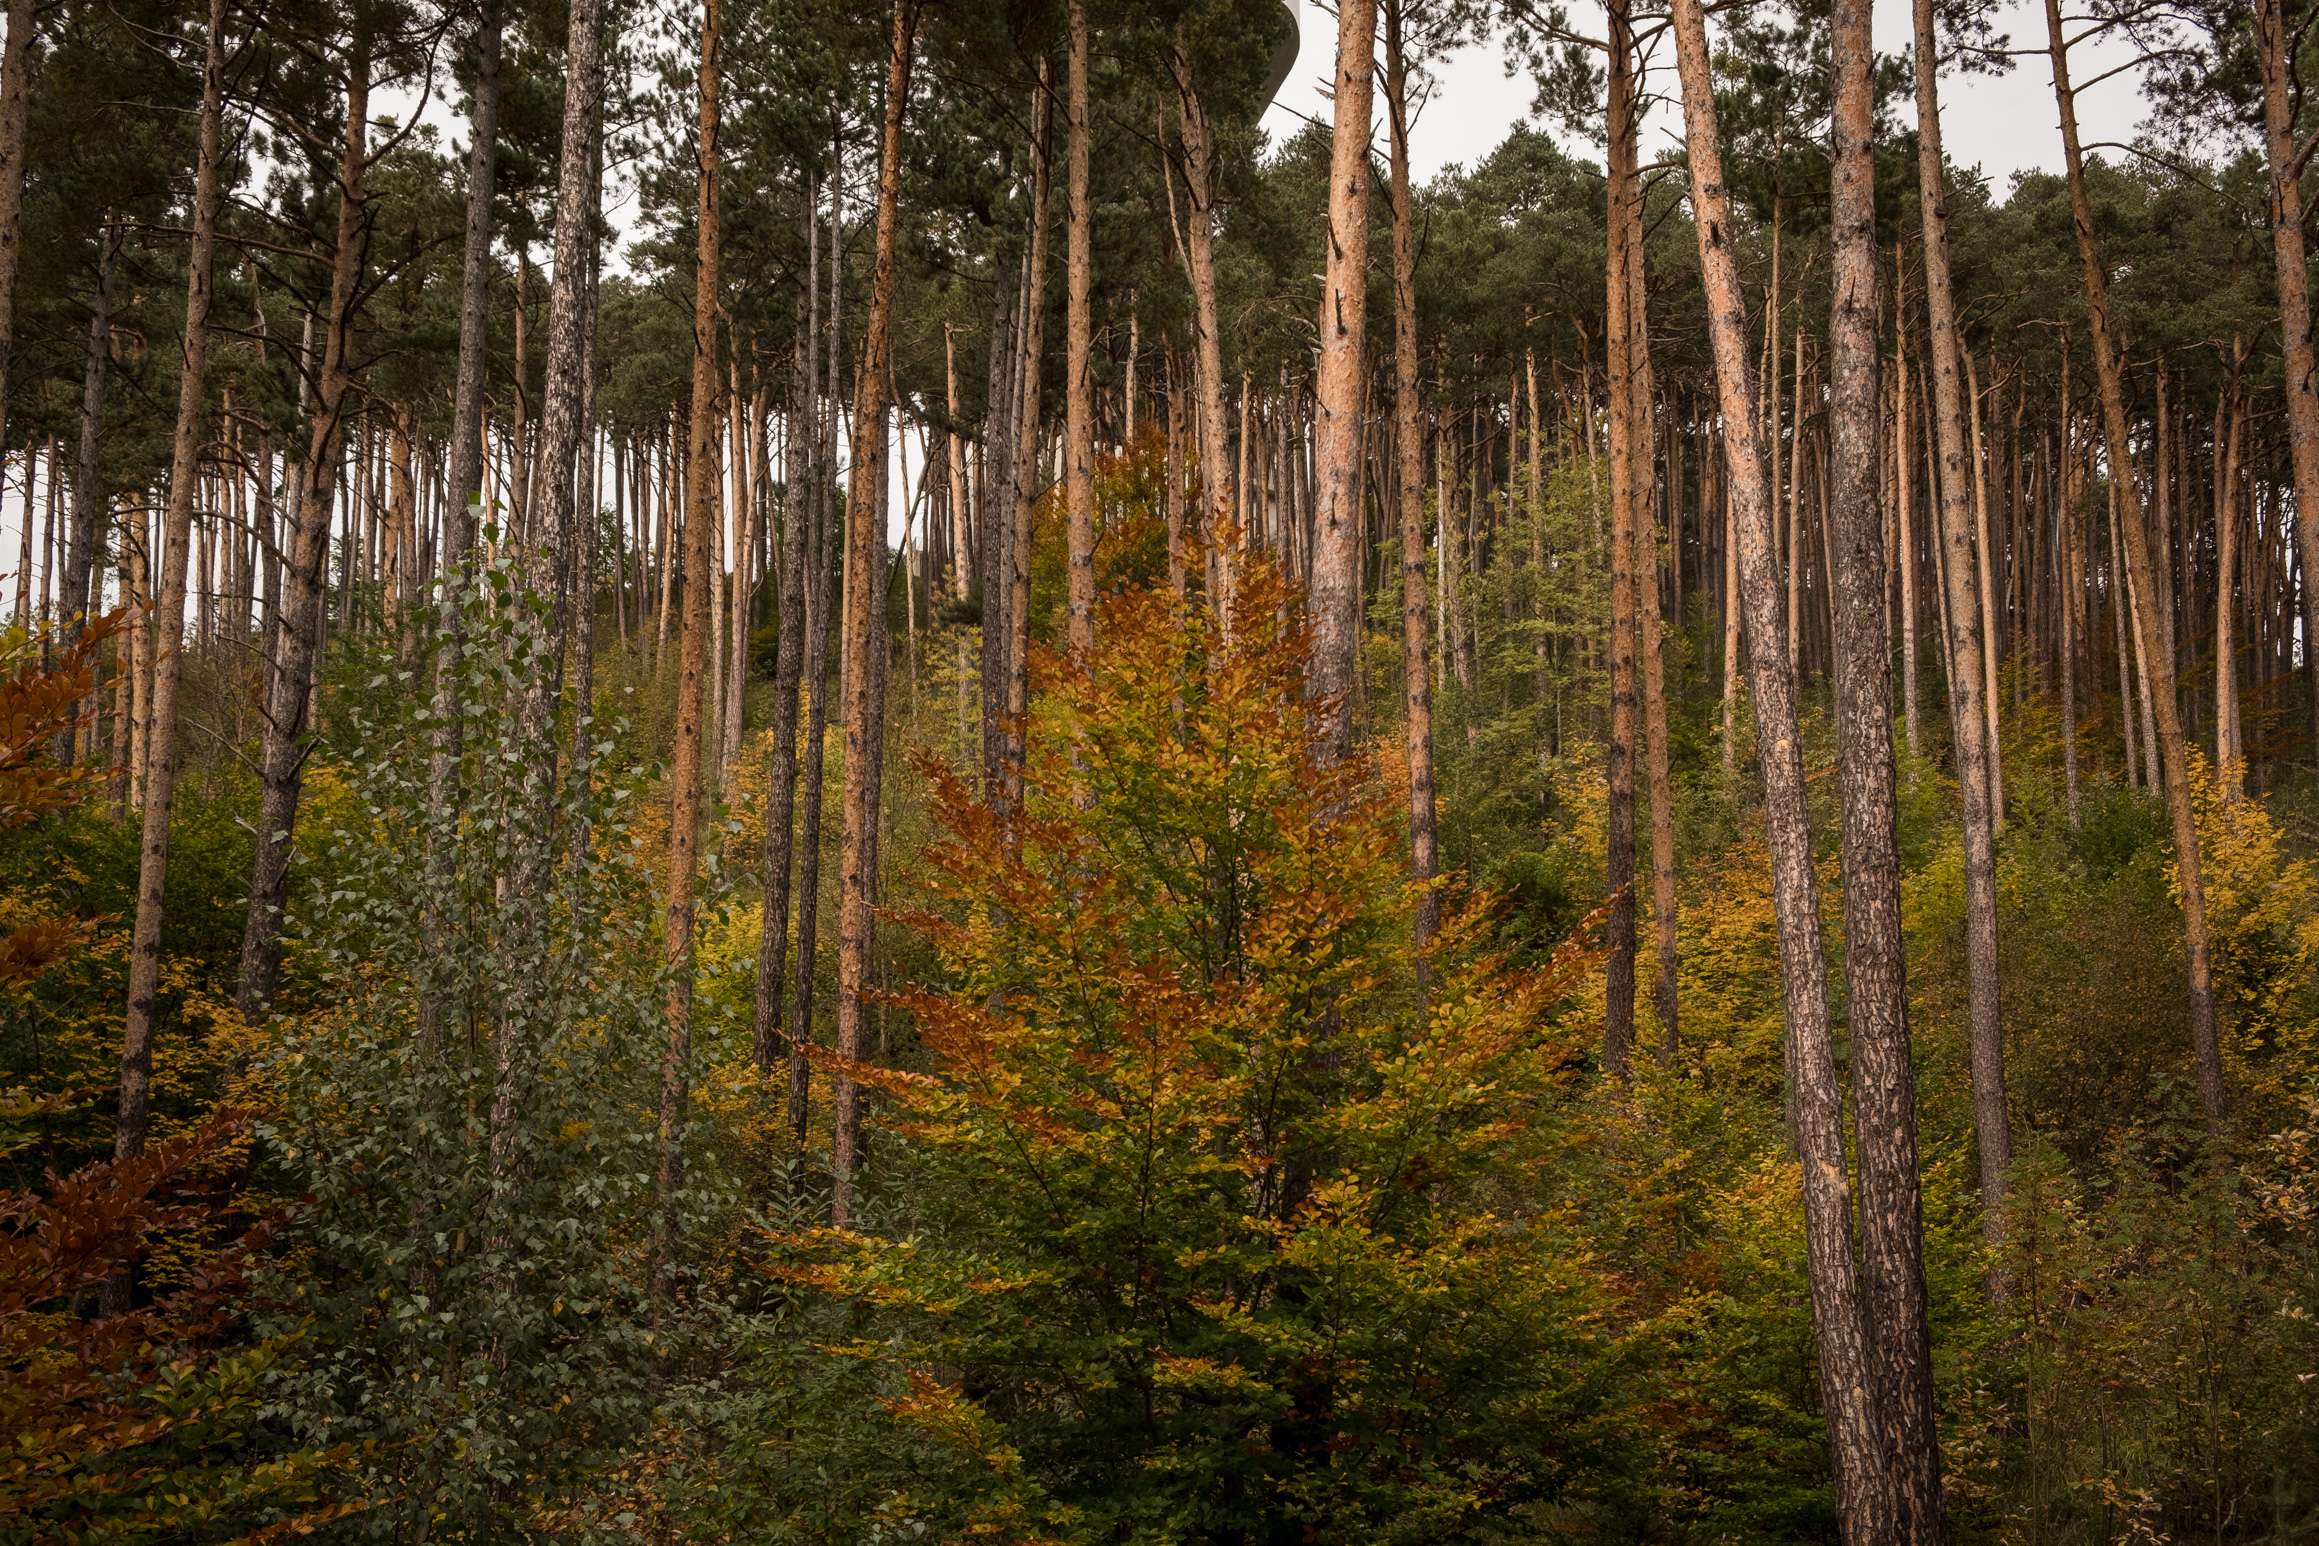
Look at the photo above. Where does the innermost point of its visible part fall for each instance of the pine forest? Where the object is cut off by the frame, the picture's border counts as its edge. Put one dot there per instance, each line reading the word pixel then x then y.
pixel 1159 771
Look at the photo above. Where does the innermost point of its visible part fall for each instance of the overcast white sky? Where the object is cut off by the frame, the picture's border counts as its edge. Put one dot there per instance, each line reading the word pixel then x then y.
pixel 2003 124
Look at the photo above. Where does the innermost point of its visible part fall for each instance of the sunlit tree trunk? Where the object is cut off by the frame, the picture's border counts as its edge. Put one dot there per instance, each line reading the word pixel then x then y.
pixel 1335 588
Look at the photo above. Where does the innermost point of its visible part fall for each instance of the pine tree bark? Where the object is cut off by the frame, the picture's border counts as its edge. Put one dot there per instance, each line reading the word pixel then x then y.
pixel 2205 1041
pixel 1216 491
pixel 2292 266
pixel 1409 468
pixel 298 639
pixel 1335 589
pixel 995 561
pixel 1618 1019
pixel 1023 443
pixel 1883 1075
pixel 1650 542
pixel 88 496
pixel 865 600
pixel 466 480
pixel 135 1110
pixel 1079 348
pixel 1863 1482
pixel 788 661
pixel 685 779
pixel 1961 626
pixel 15 119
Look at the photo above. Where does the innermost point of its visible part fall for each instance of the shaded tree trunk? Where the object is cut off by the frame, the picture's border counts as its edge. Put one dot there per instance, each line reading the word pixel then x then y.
pixel 1409 469
pixel 865 602
pixel 1863 1482
pixel 1875 959
pixel 685 779
pixel 2273 52
pixel 298 639
pixel 1992 1128
pixel 130 1125
pixel 2151 630
pixel 1078 349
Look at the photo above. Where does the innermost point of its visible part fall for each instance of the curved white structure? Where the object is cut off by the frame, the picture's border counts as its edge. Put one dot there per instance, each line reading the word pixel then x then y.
pixel 1284 48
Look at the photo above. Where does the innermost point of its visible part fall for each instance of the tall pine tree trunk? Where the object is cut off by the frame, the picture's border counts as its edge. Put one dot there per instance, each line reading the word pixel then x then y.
pixel 1078 348
pixel 1409 488
pixel 2273 50
pixel 2150 627
pixel 1855 1436
pixel 298 639
pixel 865 602
pixel 1335 588
pixel 15 117
pixel 1883 1076
pixel 685 779
pixel 169 614
pixel 1992 1128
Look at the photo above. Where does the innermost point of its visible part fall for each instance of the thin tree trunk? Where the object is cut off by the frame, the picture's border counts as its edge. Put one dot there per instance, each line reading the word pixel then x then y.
pixel 2205 1040
pixel 865 604
pixel 298 642
pixel 466 489
pixel 15 117
pixel 1618 1019
pixel 1863 1484
pixel 1409 456
pixel 1650 543
pixel 1216 491
pixel 1023 476
pixel 685 779
pixel 788 660
pixel 1992 1127
pixel 1904 486
pixel 130 1125
pixel 1078 348
pixel 2229 756
pixel 1986 594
